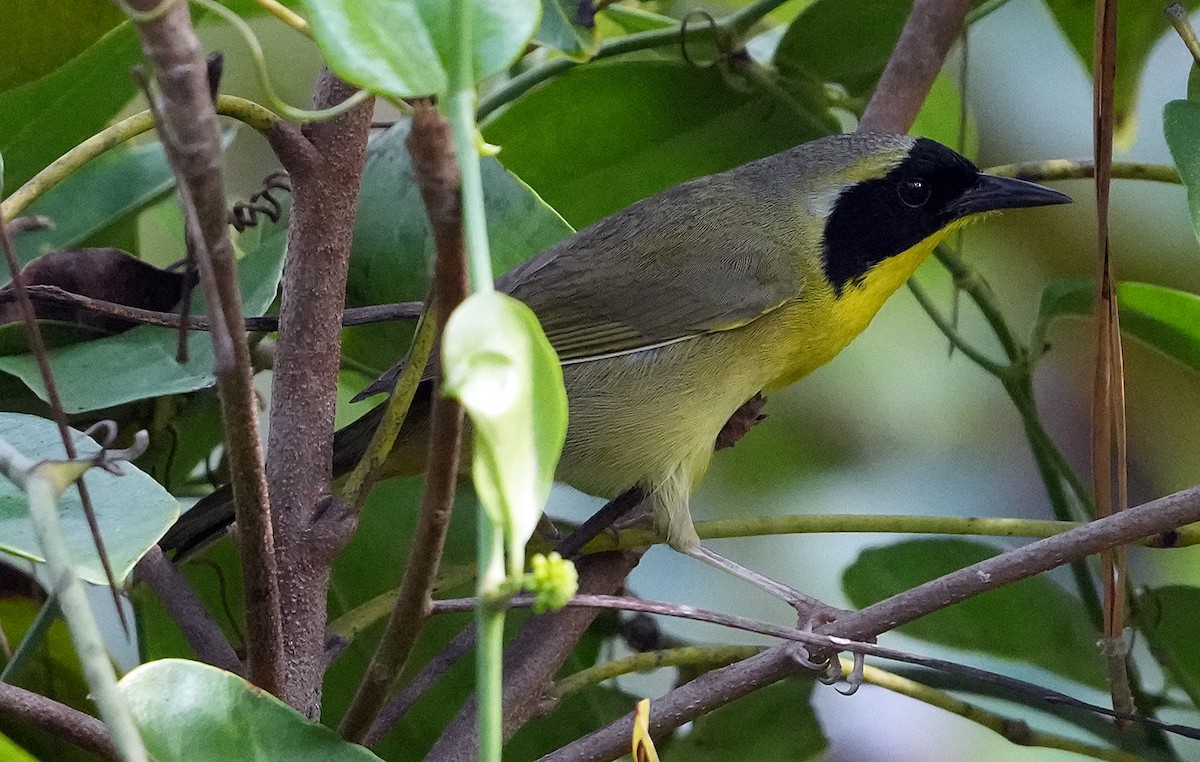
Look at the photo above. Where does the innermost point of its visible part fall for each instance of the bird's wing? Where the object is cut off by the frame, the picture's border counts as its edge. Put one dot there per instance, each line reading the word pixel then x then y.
pixel 704 256
pixel 657 273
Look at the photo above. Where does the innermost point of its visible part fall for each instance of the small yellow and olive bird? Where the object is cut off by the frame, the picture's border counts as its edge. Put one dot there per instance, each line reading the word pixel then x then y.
pixel 669 315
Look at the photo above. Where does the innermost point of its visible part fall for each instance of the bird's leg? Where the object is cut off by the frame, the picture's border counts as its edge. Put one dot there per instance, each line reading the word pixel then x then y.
pixel 811 612
pixel 603 519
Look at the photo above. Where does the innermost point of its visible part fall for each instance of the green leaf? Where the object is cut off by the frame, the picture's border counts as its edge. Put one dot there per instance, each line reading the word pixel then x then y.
pixel 133 511
pixel 393 245
pixel 602 136
pixel 558 30
pixel 380 45
pixel 40 37
pixel 140 363
pixel 1181 126
pixel 41 120
pixel 498 363
pixel 1034 620
pixel 775 724
pixel 619 20
pixel 576 715
pixel 121 182
pixel 1171 622
pixel 1164 318
pixel 1139 27
pixel 499 31
pixel 844 43
pixel 192 712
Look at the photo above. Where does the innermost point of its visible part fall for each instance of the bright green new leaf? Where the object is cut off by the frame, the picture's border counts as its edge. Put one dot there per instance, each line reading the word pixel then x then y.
pixel 500 30
pixel 140 363
pixel 1181 126
pixel 558 30
pixel 192 712
pixel 1164 318
pixel 1139 27
pixel 133 510
pixel 380 45
pixel 1034 620
pixel 498 363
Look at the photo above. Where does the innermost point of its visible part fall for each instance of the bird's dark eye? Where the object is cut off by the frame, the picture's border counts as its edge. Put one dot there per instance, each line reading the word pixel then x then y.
pixel 913 192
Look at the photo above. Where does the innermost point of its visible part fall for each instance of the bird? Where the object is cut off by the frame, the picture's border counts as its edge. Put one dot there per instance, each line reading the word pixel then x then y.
pixel 671 314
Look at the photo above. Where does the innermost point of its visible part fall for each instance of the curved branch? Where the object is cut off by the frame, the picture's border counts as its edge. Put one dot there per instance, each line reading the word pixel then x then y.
pixel 60 720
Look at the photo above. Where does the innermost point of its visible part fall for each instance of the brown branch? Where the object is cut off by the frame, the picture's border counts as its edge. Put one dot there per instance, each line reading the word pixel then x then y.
pixel 60 720
pixel 191 136
pixel 686 703
pixel 376 313
pixel 310 529
pixel 932 27
pixel 199 628
pixel 431 145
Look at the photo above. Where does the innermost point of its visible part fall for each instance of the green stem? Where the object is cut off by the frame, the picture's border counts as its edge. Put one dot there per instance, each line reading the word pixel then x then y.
pixel 709 656
pixel 736 24
pixel 489 616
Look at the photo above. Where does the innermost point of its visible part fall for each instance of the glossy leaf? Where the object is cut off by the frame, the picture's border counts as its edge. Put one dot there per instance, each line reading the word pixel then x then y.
pixel 40 37
pixel 140 363
pixel 133 511
pixel 1172 616
pixel 380 45
pixel 499 31
pixel 775 724
pixel 393 245
pixel 498 363
pixel 559 30
pixel 1139 27
pixel 1181 126
pixel 1164 318
pixel 41 120
pixel 604 135
pixel 1034 620
pixel 120 182
pixel 192 712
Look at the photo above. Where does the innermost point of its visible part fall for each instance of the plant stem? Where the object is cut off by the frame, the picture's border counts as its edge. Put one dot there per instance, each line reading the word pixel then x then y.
pixel 489 617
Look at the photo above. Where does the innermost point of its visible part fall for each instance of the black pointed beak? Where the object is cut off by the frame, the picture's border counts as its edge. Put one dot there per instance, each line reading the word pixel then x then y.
pixel 993 192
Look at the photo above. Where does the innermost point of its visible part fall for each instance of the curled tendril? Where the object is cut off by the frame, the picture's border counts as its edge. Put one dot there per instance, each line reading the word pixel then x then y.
pixel 719 41
pixel 261 203
pixel 108 458
pixel 260 67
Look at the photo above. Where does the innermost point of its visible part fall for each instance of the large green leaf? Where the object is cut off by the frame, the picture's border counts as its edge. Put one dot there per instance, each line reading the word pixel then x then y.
pixel 41 120
pixel 499 364
pixel 775 724
pixel 1139 26
pixel 40 36
pixel 1164 318
pixel 1171 620
pixel 140 363
pixel 406 48
pixel 1033 620
pixel 192 712
pixel 393 245
pixel 1181 126
pixel 604 135
pixel 133 511
pixel 118 183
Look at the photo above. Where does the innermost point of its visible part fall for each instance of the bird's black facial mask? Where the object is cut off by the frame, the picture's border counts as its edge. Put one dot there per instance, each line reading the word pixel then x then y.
pixel 934 186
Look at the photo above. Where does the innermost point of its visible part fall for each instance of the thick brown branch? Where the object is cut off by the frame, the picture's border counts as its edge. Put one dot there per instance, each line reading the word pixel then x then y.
pixel 309 529
pixel 60 720
pixel 931 29
pixel 199 628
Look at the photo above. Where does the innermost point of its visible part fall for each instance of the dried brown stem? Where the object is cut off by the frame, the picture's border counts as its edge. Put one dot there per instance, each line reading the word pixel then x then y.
pixel 431 145
pixel 310 529
pixel 60 720
pixel 191 137
pixel 199 628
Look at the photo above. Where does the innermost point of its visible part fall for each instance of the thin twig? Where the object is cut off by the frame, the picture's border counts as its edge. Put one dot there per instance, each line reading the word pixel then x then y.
pixel 191 137
pixel 57 719
pixel 199 628
pixel 432 149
